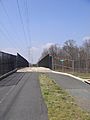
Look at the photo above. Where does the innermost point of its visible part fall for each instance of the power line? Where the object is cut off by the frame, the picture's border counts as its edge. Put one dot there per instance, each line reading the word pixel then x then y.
pixel 28 22
pixel 6 33
pixel 7 36
pixel 10 22
pixel 5 11
pixel 21 19
pixel 28 29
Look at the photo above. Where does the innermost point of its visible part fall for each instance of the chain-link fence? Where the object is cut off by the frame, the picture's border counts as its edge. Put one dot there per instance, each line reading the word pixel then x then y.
pixel 67 65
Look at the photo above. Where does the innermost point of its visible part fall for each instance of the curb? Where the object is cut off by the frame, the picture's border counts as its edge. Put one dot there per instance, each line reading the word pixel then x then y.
pixel 86 81
pixel 7 74
pixel 66 74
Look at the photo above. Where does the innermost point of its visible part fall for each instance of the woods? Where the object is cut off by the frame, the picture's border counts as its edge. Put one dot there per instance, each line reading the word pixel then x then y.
pixel 70 56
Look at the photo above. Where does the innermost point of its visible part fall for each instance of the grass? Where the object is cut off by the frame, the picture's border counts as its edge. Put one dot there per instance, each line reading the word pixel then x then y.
pixel 81 75
pixel 60 104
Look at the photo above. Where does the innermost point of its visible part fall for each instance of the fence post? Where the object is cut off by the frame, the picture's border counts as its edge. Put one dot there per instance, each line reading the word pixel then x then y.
pixel 86 66
pixel 52 63
pixel 73 65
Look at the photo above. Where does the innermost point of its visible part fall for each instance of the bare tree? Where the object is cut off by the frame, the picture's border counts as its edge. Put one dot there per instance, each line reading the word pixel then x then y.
pixel 44 53
pixel 82 53
pixel 77 57
pixel 71 49
pixel 53 50
pixel 86 46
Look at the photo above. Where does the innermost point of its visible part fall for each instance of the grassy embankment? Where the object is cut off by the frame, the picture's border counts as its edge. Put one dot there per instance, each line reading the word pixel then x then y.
pixel 82 75
pixel 60 104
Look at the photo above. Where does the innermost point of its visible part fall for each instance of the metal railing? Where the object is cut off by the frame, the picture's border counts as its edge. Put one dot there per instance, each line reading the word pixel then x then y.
pixel 9 62
pixel 46 62
pixel 67 65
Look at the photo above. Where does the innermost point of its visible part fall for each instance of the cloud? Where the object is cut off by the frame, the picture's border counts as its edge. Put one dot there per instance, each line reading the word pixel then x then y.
pixel 47 45
pixel 86 38
pixel 9 50
pixel 36 51
pixel 33 49
pixel 34 54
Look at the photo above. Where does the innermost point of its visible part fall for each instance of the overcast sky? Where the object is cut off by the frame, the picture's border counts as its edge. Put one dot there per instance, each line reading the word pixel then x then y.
pixel 40 23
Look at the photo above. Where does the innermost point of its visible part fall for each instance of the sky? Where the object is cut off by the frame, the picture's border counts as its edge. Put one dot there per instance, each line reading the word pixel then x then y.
pixel 29 26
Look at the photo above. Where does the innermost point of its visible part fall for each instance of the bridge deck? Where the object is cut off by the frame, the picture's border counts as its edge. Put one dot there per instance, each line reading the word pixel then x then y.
pixel 21 99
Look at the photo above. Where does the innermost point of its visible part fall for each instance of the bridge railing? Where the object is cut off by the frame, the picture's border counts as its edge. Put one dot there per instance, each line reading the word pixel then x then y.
pixel 68 65
pixel 46 62
pixel 9 62
pixel 65 65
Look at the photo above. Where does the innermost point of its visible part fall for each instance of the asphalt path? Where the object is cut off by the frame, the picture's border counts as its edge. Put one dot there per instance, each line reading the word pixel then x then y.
pixel 21 99
pixel 78 89
pixel 7 84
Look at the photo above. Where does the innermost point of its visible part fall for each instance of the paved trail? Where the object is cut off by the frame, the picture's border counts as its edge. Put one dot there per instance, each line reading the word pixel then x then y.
pixel 78 89
pixel 21 99
pixel 25 101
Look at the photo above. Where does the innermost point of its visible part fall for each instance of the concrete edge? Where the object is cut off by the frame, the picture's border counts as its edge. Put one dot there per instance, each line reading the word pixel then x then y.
pixel 7 74
pixel 67 74
pixel 86 81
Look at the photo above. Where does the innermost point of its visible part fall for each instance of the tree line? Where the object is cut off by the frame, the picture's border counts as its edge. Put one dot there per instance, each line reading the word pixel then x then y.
pixel 69 50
